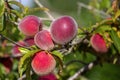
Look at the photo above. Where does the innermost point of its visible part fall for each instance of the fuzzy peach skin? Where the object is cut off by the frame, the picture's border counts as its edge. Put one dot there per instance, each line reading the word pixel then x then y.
pixel 98 43
pixel 43 40
pixel 43 63
pixel 30 25
pixel 63 29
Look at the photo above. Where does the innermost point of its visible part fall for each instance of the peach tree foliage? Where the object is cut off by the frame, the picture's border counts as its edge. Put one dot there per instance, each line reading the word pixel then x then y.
pixel 64 50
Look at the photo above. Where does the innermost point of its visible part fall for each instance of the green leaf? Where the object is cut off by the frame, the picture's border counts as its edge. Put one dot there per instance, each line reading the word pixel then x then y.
pixel 105 4
pixel 115 39
pixel 2 69
pixel 24 50
pixel 16 13
pixel 103 28
pixel 116 15
pixel 17 4
pixel 3 23
pixel 26 60
pixel 2 7
pixel 106 72
pixel 110 10
pixel 28 74
pixel 59 57
pixel 58 54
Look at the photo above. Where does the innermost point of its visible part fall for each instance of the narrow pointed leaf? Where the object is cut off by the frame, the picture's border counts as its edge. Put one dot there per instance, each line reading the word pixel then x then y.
pixel 17 4
pixel 59 57
pixel 58 54
pixel 115 39
pixel 116 15
pixel 24 50
pixel 25 61
pixel 2 7
pixel 3 23
pixel 28 74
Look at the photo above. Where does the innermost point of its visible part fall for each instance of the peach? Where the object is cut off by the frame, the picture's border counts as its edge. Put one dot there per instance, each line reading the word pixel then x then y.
pixel 30 25
pixel 98 43
pixel 43 63
pixel 43 40
pixel 63 29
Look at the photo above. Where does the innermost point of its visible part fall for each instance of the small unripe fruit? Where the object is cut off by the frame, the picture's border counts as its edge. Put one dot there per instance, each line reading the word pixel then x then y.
pixel 30 25
pixel 7 63
pixel 98 43
pixel 43 63
pixel 15 50
pixel 29 41
pixel 63 29
pixel 43 40
pixel 50 76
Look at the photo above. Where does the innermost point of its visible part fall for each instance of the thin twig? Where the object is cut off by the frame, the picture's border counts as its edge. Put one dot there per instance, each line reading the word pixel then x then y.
pixel 93 9
pixel 82 70
pixel 40 5
pixel 2 36
pixel 44 19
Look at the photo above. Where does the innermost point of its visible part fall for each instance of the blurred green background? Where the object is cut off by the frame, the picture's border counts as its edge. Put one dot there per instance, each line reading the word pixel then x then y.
pixel 86 12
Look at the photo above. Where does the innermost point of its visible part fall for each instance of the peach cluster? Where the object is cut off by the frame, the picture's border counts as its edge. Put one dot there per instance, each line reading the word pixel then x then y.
pixel 62 31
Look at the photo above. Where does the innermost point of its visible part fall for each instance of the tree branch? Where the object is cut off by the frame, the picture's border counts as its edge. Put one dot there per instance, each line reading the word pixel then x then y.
pixel 2 36
pixel 83 69
pixel 104 15
pixel 40 5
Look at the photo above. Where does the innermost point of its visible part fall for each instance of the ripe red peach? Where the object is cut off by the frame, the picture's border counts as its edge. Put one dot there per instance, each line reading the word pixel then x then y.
pixel 63 29
pixel 98 43
pixel 50 76
pixel 43 63
pixel 30 25
pixel 43 40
